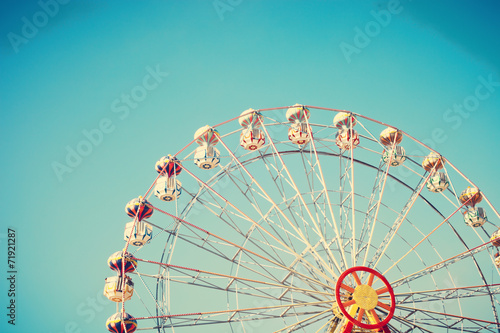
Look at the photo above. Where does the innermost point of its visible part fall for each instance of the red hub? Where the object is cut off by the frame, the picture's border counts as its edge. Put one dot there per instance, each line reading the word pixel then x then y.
pixel 358 300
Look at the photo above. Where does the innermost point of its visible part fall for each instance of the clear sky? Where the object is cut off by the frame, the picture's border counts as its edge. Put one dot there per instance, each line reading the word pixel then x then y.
pixel 67 68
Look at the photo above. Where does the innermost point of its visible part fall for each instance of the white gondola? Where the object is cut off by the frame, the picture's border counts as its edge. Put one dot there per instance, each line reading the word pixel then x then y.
pixel 298 114
pixel 390 136
pixel 475 216
pixel 470 196
pixel 298 134
pixel 495 238
pixel 347 139
pixel 438 182
pixel 115 289
pixel 168 189
pixel 207 136
pixel 396 156
pixel 497 259
pixel 206 157
pixel 433 162
pixel 141 232
pixel 344 120
pixel 250 119
pixel 252 139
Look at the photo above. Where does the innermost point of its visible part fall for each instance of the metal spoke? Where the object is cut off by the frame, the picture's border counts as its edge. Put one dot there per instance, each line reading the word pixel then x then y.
pixel 258 225
pixel 317 229
pixel 397 224
pixel 379 202
pixel 275 207
pixel 323 183
pixel 423 239
pixel 442 264
pixel 450 320
pixel 248 252
pixel 200 271
pixel 447 294
pixel 302 321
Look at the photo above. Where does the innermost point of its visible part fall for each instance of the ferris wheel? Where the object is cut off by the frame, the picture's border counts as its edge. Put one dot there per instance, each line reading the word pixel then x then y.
pixel 306 219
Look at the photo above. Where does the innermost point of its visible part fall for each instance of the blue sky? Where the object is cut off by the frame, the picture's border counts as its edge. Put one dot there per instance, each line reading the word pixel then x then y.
pixel 73 74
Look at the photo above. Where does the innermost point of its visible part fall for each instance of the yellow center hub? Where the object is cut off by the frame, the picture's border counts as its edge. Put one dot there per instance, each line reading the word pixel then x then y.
pixel 365 297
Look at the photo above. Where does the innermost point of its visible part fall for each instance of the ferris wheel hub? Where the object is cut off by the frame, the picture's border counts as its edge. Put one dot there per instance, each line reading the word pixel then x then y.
pixel 365 297
pixel 358 301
